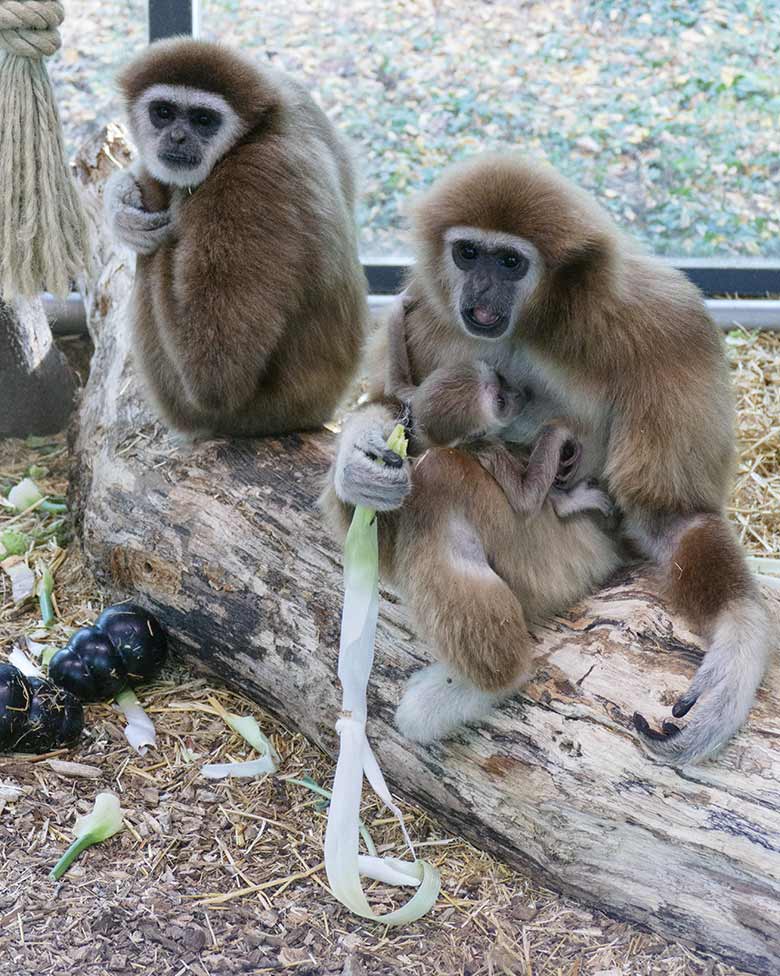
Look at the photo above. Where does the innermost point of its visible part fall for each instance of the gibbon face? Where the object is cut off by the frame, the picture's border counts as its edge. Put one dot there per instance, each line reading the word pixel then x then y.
pixel 492 276
pixel 182 132
pixel 506 245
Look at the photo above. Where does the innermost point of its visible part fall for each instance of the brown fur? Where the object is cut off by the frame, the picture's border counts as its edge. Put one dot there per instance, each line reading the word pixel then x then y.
pixel 249 318
pixel 473 571
pixel 708 571
pixel 623 343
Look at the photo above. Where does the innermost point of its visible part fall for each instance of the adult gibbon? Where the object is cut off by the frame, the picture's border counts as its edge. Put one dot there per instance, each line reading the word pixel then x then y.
pixel 519 269
pixel 250 298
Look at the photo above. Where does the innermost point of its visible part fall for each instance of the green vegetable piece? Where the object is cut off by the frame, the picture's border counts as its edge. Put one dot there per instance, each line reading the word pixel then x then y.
pixel 246 726
pixel 35 441
pixel 139 731
pixel 104 821
pixel 55 508
pixel 344 865
pixel 14 543
pixel 25 495
pixel 397 441
pixel 45 590
pixel 323 804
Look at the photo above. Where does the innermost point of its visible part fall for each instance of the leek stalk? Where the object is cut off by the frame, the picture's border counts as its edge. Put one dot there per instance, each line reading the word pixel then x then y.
pixel 344 865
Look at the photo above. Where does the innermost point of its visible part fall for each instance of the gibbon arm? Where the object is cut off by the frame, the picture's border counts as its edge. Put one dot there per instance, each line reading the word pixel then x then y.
pixel 142 230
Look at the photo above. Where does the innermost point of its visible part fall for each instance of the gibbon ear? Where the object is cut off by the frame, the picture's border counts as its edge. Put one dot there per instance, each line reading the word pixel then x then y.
pixel 585 275
pixel 574 287
pixel 585 266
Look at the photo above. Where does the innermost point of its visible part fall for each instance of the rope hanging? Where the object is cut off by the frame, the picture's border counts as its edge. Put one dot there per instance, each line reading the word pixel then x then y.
pixel 43 227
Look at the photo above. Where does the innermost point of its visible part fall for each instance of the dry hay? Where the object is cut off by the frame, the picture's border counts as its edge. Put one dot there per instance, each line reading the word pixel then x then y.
pixel 218 878
pixel 756 503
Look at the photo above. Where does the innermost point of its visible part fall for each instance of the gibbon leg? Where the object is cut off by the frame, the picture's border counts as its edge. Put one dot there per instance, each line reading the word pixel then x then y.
pixel 709 581
pixel 547 473
pixel 473 622
pixel 527 485
pixel 585 496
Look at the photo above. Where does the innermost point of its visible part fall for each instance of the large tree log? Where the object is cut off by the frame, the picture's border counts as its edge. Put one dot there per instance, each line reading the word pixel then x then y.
pixel 225 543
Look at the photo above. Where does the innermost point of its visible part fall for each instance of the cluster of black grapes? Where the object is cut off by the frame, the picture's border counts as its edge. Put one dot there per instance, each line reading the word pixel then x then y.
pixel 126 646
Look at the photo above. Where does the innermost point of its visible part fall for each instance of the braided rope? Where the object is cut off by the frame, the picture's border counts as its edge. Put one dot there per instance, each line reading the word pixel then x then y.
pixel 44 231
pixel 28 28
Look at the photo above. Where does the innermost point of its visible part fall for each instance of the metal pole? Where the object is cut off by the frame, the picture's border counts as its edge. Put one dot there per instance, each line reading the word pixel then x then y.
pixel 69 317
pixel 168 18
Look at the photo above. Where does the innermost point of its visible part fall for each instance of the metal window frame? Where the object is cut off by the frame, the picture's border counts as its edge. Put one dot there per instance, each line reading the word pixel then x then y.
pixel 69 317
pixel 745 277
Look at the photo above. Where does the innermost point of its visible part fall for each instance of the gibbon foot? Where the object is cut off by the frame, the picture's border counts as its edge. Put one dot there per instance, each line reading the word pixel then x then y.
pixel 585 496
pixel 437 702
pixel 668 729
pixel 571 452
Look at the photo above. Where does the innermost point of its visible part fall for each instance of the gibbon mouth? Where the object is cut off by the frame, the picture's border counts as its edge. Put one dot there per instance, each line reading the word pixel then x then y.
pixel 484 321
pixel 182 160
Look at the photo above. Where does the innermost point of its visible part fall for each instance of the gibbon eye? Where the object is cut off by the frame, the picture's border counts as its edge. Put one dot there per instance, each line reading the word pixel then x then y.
pixel 512 261
pixel 204 118
pixel 162 111
pixel 466 250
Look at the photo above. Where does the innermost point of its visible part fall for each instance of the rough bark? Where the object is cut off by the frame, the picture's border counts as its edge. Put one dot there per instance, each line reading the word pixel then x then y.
pixel 224 542
pixel 37 387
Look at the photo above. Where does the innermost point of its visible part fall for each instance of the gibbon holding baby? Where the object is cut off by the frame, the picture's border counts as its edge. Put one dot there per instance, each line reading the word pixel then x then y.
pixel 565 340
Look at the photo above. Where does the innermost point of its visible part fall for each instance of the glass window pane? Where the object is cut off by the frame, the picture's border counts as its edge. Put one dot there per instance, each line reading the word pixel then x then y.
pixel 98 38
pixel 667 110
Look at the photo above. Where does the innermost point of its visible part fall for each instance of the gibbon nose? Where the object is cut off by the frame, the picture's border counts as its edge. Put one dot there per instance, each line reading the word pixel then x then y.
pixel 482 291
pixel 178 136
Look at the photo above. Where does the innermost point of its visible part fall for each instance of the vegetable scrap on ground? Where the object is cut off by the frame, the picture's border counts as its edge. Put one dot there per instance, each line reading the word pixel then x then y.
pixel 219 877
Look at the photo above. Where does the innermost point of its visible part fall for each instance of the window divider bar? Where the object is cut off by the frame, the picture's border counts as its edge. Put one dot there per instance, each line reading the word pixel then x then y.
pixel 170 18
pixel 743 277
